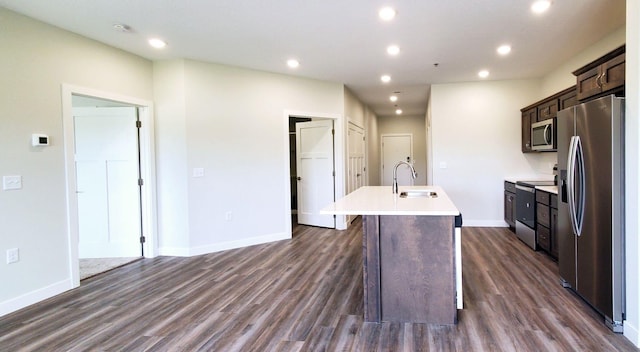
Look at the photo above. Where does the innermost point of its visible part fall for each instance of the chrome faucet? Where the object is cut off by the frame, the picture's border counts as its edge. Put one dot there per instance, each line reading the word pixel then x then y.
pixel 414 174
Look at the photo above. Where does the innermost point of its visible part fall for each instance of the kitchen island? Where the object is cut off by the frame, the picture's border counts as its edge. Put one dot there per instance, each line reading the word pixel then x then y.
pixel 409 253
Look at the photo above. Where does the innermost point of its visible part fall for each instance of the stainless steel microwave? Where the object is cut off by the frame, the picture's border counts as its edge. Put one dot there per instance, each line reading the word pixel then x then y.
pixel 542 135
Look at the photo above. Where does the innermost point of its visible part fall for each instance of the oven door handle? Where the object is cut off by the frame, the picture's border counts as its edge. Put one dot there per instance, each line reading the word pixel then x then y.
pixel 526 189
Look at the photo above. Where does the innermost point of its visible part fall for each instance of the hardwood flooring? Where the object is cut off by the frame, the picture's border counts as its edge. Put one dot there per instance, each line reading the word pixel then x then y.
pixel 306 295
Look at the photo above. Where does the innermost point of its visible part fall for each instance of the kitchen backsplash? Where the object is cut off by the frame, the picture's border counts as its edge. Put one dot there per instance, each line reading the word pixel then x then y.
pixel 542 163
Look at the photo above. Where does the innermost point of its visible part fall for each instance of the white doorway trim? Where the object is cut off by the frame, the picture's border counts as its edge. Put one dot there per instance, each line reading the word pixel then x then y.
pixel 339 159
pixel 147 159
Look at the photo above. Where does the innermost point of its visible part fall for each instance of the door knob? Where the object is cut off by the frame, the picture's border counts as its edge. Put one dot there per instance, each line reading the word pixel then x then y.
pixel 299 178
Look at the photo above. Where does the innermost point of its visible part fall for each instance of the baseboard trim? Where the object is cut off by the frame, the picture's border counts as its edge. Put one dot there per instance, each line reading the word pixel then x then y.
pixel 631 333
pixel 223 246
pixel 27 299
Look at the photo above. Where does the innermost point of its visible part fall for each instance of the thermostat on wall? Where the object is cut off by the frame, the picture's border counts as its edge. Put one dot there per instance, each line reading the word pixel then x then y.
pixel 39 140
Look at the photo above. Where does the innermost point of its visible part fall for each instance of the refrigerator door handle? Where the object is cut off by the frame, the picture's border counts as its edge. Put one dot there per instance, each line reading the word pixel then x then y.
pixel 571 165
pixel 579 207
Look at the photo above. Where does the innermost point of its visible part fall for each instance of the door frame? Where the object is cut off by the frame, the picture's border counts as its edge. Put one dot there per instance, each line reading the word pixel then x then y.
pixel 410 135
pixel 147 160
pixel 338 159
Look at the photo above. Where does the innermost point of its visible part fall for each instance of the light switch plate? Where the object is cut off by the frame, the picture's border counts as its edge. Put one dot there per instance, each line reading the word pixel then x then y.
pixel 11 182
pixel 13 255
pixel 198 172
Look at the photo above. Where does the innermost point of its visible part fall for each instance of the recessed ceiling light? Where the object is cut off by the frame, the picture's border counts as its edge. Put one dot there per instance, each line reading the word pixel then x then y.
pixel 398 111
pixel 293 63
pixel 157 43
pixel 540 6
pixel 387 13
pixel 483 74
pixel 504 49
pixel 393 98
pixel 385 78
pixel 393 50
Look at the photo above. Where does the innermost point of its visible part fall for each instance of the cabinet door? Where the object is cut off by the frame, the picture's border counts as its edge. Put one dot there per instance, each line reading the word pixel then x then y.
pixel 509 208
pixel 588 83
pixel 548 110
pixel 568 100
pixel 612 73
pixel 554 235
pixel 528 117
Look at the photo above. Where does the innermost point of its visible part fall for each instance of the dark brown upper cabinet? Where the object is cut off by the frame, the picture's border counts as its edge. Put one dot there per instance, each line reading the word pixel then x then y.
pixel 545 109
pixel 602 76
pixel 568 99
pixel 548 109
pixel 528 117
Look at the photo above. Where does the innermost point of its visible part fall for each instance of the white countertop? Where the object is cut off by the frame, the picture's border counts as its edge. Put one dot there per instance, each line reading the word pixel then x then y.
pixel 380 200
pixel 550 189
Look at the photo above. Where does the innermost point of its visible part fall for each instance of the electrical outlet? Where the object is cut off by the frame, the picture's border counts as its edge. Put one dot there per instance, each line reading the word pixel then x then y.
pixel 13 255
pixel 228 216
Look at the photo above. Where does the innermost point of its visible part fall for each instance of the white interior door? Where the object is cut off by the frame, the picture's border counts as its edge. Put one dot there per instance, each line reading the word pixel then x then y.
pixel 106 159
pixel 395 148
pixel 356 160
pixel 314 153
pixel 356 146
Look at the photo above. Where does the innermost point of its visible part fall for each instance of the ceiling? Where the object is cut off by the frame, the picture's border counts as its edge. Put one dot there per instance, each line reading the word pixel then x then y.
pixel 345 41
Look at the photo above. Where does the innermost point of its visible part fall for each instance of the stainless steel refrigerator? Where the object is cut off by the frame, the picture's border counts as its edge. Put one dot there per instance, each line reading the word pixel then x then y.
pixel 590 225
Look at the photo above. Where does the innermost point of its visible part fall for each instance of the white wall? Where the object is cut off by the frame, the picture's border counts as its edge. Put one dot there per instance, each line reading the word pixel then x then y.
pixel 36 60
pixel 373 150
pixel 171 161
pixel 235 128
pixel 355 111
pixel 562 77
pixel 476 132
pixel 414 125
pixel 632 125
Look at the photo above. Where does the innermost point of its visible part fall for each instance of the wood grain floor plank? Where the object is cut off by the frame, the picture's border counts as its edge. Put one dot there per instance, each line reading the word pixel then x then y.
pixel 306 294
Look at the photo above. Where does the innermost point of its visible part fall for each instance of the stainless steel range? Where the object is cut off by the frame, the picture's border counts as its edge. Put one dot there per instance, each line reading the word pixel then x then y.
pixel 526 210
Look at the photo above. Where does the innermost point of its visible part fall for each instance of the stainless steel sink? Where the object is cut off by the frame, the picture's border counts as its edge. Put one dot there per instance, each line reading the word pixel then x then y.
pixel 418 193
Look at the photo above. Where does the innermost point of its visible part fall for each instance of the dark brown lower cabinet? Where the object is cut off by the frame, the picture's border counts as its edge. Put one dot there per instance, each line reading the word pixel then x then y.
pixel 510 204
pixel 546 222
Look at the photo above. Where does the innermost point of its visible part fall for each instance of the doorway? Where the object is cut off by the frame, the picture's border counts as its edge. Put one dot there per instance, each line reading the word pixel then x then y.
pixel 312 170
pixel 395 148
pixel 110 178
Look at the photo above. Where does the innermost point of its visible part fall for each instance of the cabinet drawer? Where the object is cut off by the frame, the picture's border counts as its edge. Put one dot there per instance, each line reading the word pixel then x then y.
pixel 509 187
pixel 543 238
pixel 543 214
pixel 542 197
pixel 554 201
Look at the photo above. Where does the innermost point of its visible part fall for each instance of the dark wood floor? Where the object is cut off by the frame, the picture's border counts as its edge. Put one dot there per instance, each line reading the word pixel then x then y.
pixel 306 295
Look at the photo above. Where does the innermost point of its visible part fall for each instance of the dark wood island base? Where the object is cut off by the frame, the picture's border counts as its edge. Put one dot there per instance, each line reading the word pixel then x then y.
pixel 409 269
